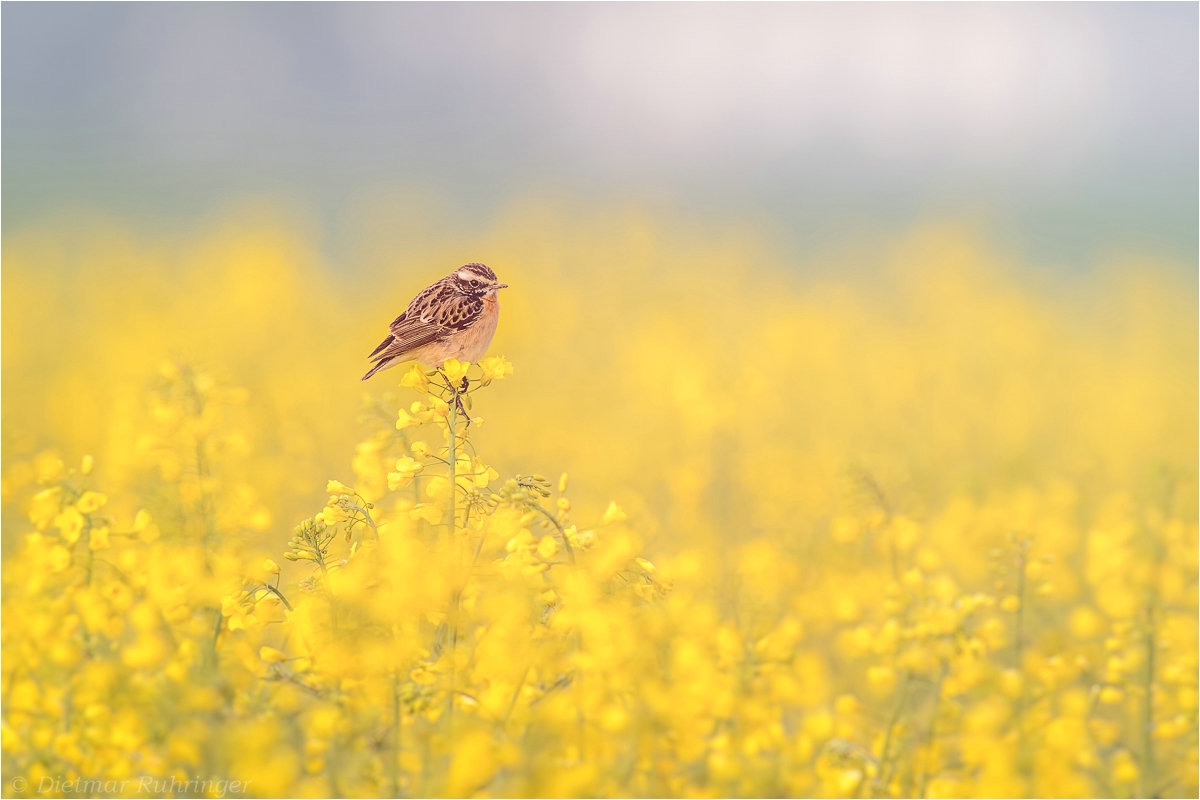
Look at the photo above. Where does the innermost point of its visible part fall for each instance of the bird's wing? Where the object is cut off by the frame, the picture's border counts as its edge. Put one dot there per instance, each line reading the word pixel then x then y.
pixel 430 298
pixel 417 308
pixel 435 314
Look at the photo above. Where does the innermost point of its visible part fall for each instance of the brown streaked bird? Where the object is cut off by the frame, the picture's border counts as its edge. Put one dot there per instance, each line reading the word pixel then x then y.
pixel 453 318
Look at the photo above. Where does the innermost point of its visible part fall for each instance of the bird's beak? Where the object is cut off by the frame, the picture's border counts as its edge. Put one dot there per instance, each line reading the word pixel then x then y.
pixel 501 285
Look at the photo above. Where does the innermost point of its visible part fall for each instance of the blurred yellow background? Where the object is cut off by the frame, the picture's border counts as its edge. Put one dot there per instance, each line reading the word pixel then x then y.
pixel 817 465
pixel 654 357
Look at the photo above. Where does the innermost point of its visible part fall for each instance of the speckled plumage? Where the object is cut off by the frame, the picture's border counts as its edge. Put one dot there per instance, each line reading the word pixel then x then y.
pixel 453 318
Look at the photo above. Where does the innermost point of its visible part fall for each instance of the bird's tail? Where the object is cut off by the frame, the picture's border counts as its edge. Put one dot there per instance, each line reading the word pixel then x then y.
pixel 382 363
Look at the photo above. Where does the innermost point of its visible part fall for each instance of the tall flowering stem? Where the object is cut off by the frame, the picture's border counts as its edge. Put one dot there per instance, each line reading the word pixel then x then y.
pixel 452 458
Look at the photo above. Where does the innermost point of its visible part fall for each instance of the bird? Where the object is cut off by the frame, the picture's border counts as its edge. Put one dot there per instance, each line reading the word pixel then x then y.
pixel 454 317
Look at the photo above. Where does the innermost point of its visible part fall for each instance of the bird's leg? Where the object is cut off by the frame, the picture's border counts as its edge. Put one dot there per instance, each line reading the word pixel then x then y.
pixel 458 398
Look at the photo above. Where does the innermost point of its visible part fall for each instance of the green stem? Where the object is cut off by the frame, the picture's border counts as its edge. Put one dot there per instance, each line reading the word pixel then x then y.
pixel 929 735
pixel 333 604
pixel 479 545
pixel 562 534
pixel 366 516
pixel 512 703
pixel 452 426
pixel 278 594
pixel 884 756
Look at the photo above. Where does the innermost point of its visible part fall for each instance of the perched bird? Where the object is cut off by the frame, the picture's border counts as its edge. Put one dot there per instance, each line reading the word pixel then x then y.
pixel 453 318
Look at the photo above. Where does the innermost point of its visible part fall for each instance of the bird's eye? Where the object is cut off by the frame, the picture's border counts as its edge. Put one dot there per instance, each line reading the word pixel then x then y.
pixel 474 282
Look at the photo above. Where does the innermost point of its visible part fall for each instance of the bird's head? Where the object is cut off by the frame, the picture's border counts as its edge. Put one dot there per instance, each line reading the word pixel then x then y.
pixel 477 279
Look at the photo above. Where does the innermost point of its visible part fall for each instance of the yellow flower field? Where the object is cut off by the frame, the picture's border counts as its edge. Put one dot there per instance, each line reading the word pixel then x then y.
pixel 899 521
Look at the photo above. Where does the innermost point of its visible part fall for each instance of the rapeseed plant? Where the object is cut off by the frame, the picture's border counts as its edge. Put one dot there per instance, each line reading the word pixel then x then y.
pixel 771 607
pixel 453 634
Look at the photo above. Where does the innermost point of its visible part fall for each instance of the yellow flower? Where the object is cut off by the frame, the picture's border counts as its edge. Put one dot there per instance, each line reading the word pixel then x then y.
pixel 547 547
pixel 613 514
pixel 495 368
pixel 913 579
pixel 332 515
pixel 43 508
pixel 438 489
pixel 1085 623
pixel 455 370
pixel 270 567
pixel 420 450
pixel 430 512
pixel 883 678
pixel 415 378
pixel 337 487
pixel 406 420
pixel 1010 603
pixel 1111 695
pixel 846 704
pixel 437 407
pixel 91 501
pixel 70 524
pixel 408 466
pixel 406 469
pixel 49 468
pixel 1124 768
pixel 1011 683
pixel 905 532
pixel 86 466
pixel 271 655
pixel 422 676
pixel 483 474
pixel 98 539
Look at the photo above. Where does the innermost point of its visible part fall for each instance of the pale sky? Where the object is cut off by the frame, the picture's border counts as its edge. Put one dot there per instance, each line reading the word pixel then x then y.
pixel 1073 124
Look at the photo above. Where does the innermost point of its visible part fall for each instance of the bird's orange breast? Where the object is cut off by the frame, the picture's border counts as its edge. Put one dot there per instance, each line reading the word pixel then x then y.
pixel 474 341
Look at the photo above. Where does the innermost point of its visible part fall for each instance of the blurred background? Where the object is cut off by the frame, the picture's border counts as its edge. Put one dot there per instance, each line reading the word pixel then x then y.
pixel 260 188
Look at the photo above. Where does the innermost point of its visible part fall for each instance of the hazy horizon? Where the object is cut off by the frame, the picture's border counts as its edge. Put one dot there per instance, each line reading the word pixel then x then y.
pixel 1068 131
